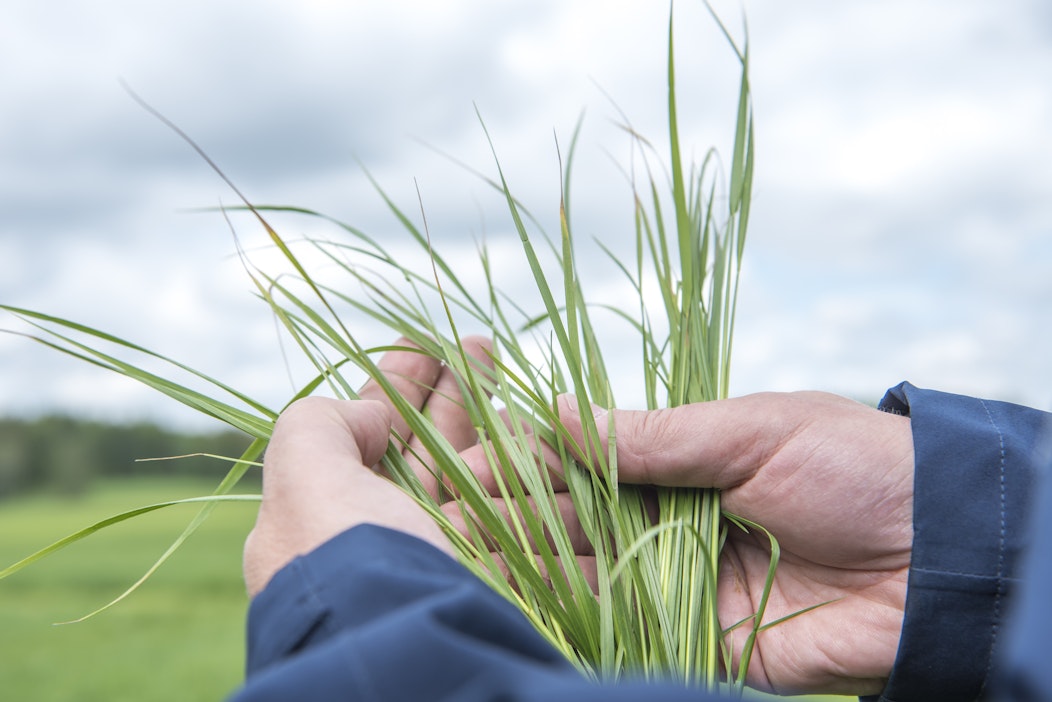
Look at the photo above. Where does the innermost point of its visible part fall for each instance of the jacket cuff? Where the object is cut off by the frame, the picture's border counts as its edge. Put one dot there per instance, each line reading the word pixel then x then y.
pixel 974 472
pixel 378 614
pixel 321 593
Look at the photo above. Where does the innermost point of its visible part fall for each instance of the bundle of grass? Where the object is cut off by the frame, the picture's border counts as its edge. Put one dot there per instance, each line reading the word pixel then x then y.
pixel 650 606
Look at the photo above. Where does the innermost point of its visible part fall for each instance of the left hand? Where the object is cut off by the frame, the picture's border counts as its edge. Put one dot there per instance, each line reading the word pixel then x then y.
pixel 320 471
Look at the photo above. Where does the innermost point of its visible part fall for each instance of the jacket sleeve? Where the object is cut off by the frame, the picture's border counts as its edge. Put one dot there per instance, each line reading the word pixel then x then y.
pixel 1024 673
pixel 977 465
pixel 375 614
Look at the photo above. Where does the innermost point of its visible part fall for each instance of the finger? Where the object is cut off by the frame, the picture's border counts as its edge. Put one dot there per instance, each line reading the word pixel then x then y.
pixel 488 459
pixel 710 444
pixel 446 406
pixel 317 443
pixel 412 374
pixel 484 461
pixel 460 515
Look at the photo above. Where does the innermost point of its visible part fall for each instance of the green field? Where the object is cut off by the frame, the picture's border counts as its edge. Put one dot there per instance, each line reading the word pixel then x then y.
pixel 180 637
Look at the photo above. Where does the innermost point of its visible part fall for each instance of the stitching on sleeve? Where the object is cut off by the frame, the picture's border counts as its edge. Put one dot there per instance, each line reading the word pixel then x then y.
pixel 1000 552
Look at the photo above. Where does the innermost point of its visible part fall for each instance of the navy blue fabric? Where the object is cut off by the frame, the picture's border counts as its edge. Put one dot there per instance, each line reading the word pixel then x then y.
pixel 375 614
pixel 1025 672
pixel 370 575
pixel 976 468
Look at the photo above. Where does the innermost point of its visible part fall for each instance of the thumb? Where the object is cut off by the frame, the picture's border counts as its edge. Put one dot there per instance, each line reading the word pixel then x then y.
pixel 318 443
pixel 707 444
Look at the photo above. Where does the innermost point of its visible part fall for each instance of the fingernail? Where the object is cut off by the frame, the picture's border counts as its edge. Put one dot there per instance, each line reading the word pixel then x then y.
pixel 571 403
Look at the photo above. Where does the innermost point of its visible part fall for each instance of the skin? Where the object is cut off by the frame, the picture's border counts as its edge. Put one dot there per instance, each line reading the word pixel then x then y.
pixel 833 481
pixel 320 474
pixel 830 478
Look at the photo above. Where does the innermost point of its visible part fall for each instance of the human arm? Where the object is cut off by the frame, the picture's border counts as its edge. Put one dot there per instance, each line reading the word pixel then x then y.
pixel 834 481
pixel 346 609
pixel 1022 672
pixel 811 433
pixel 978 465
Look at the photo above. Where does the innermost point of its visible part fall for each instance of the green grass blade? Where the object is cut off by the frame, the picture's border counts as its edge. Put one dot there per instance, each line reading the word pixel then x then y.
pixel 116 519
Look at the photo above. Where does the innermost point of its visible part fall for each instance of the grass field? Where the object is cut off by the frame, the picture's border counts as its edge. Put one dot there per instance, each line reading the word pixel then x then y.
pixel 179 638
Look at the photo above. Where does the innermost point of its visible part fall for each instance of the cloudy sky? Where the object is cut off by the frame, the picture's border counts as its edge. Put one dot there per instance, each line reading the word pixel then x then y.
pixel 902 224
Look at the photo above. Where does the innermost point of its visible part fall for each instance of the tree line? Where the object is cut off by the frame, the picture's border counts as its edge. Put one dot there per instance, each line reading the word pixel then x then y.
pixel 64 454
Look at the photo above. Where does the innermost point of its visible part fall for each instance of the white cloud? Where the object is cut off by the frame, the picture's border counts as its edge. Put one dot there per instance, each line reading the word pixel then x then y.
pixel 901 215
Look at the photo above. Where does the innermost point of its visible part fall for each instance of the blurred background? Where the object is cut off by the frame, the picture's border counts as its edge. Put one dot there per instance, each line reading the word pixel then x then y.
pixel 901 230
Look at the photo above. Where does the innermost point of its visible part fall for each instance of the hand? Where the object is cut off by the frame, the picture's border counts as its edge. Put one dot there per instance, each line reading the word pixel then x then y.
pixel 431 387
pixel 319 479
pixel 833 481
pixel 320 471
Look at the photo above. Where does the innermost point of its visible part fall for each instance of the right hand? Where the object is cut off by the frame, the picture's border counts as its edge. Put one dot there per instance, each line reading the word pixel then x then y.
pixel 832 480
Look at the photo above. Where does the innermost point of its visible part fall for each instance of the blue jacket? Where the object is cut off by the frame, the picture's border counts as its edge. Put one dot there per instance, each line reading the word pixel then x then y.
pixel 378 615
